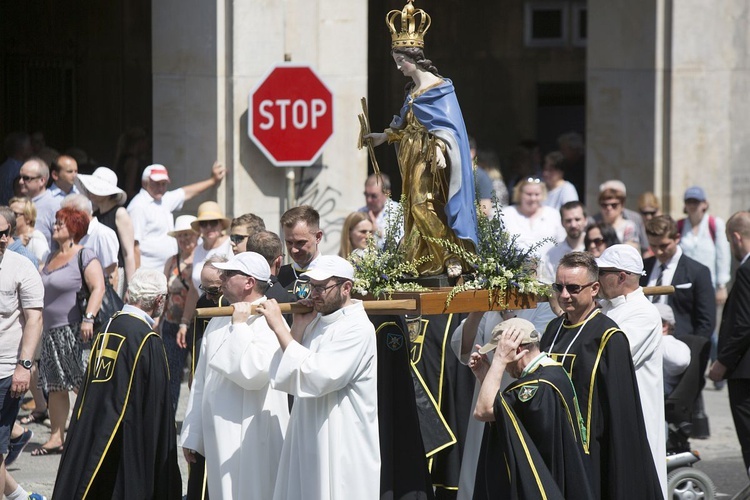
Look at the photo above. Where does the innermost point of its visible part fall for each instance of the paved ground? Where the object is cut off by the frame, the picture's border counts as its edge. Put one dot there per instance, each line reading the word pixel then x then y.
pixel 721 454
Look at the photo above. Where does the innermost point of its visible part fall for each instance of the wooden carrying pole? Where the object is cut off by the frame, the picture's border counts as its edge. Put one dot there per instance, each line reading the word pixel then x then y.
pixel 421 303
pixel 402 306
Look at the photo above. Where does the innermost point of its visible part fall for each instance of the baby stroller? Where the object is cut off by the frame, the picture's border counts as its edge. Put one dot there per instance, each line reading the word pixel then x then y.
pixel 685 481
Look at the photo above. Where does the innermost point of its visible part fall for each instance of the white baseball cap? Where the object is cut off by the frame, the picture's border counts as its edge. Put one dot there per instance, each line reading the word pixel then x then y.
pixel 328 266
pixel 527 330
pixel 250 263
pixel 156 173
pixel 623 258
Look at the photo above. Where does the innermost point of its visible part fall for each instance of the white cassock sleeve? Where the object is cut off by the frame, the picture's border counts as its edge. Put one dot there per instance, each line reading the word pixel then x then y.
pixel 306 374
pixel 192 425
pixel 245 354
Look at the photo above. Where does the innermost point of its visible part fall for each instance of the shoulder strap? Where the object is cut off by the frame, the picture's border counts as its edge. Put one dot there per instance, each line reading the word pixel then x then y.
pixel 712 227
pixel 80 269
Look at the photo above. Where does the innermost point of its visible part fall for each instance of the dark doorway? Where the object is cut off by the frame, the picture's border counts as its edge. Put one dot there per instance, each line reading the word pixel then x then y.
pixel 80 72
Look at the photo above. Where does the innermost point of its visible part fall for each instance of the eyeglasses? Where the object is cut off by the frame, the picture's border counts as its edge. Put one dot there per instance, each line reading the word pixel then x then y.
pixel 26 178
pixel 5 232
pixel 648 213
pixel 237 238
pixel 595 241
pixel 323 289
pixel 610 205
pixel 572 289
pixel 210 290
pixel 208 223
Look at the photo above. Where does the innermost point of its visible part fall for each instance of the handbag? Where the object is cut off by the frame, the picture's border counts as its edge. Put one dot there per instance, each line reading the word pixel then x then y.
pixel 111 302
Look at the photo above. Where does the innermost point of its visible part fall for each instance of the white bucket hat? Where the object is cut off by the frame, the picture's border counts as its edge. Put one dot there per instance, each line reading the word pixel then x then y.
pixel 103 182
pixel 182 223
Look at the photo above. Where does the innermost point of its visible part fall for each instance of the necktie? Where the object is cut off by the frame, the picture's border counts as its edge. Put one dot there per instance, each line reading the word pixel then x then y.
pixel 659 281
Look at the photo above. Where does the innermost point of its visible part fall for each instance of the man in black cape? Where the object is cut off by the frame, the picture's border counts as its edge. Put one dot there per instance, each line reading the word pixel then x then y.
pixel 535 447
pixel 596 354
pixel 122 439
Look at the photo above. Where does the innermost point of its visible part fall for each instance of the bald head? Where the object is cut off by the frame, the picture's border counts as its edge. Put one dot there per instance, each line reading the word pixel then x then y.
pixel 738 234
pixel 34 175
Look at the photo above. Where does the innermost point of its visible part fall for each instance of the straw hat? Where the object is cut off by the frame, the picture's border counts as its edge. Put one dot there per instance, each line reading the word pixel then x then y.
pixel 103 182
pixel 210 210
pixel 181 224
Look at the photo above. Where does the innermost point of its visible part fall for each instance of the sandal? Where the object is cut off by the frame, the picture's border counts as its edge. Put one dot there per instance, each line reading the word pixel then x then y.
pixel 41 451
pixel 34 418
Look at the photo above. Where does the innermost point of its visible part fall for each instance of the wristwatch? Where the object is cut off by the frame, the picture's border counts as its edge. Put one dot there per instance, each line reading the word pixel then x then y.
pixel 90 316
pixel 26 363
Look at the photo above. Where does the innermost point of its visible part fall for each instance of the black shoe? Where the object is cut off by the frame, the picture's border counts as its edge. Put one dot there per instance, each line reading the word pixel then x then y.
pixel 17 445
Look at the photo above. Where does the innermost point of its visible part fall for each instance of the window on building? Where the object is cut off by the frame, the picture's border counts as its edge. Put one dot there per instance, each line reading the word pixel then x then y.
pixel 554 23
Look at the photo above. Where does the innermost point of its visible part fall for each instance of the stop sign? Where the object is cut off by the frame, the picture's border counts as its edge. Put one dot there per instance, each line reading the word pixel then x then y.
pixel 291 115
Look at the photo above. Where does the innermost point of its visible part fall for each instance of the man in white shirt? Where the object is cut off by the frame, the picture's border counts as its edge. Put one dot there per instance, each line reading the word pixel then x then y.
pixel 234 418
pixel 620 269
pixel 21 301
pixel 151 210
pixel 573 220
pixel 328 363
pixel 380 208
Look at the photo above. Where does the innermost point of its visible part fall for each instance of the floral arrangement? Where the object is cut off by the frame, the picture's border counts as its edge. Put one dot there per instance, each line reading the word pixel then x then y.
pixel 381 272
pixel 500 265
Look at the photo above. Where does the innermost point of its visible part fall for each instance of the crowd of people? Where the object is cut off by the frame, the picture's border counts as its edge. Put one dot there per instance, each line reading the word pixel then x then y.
pixel 610 353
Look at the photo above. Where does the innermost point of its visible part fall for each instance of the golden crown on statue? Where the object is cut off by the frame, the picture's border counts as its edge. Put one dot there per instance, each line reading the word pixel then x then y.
pixel 410 35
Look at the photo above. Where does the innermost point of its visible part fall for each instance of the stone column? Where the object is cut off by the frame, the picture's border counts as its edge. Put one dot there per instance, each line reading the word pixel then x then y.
pixel 207 59
pixel 667 100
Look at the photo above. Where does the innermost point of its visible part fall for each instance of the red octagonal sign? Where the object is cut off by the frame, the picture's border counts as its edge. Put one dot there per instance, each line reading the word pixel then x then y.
pixel 291 115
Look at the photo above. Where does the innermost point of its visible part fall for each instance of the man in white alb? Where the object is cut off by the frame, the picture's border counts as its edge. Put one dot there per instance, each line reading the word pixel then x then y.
pixel 328 363
pixel 620 269
pixel 234 418
pixel 151 210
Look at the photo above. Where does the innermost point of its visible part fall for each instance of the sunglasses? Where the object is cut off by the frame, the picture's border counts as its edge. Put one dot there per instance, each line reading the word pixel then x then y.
pixel 208 223
pixel 610 205
pixel 648 213
pixel 5 232
pixel 572 289
pixel 26 178
pixel 210 290
pixel 595 241
pixel 238 238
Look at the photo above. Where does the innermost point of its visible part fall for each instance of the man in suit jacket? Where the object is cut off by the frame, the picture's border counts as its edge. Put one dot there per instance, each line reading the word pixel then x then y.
pixel 733 360
pixel 693 301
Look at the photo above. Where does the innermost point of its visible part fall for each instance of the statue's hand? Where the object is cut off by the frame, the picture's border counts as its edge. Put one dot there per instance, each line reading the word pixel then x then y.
pixel 377 138
pixel 439 158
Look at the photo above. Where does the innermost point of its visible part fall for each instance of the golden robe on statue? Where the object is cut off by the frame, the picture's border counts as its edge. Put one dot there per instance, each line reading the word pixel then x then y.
pixel 439 201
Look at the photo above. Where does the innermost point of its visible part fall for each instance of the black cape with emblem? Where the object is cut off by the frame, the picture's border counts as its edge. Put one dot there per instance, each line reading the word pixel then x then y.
pixel 122 439
pixel 599 363
pixel 534 448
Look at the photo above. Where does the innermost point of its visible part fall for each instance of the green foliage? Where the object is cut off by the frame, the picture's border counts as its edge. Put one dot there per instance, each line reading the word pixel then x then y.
pixel 500 265
pixel 380 271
